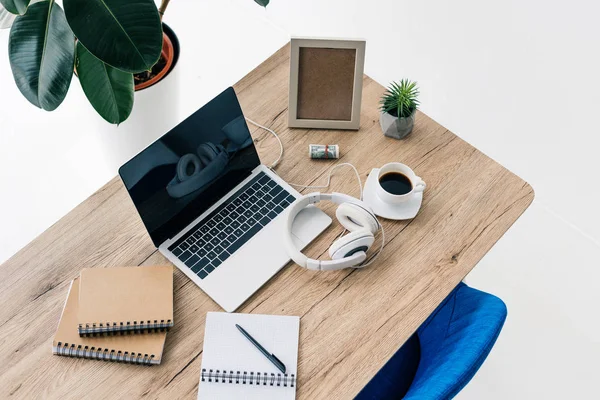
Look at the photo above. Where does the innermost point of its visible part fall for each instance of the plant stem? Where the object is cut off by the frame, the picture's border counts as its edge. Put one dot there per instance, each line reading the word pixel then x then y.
pixel 163 8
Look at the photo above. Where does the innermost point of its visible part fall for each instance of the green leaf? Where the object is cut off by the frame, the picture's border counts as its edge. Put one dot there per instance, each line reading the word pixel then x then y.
pixel 126 34
pixel 6 18
pixel 400 98
pixel 263 3
pixel 41 50
pixel 109 90
pixel 15 6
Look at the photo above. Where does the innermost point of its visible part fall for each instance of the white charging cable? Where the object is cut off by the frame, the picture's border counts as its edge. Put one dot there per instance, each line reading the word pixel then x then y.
pixel 274 164
pixel 326 186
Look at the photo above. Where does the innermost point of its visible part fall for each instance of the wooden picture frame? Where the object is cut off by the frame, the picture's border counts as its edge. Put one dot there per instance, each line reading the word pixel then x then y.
pixel 326 77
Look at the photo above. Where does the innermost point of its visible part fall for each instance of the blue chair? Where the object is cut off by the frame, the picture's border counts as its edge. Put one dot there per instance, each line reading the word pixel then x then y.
pixel 445 352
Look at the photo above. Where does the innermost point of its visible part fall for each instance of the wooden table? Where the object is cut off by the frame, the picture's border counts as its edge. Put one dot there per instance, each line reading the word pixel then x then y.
pixel 352 320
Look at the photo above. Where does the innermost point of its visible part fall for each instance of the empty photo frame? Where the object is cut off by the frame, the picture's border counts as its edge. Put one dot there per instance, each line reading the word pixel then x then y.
pixel 326 83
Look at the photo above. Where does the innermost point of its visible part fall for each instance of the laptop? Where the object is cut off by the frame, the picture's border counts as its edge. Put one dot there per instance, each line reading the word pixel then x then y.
pixel 212 208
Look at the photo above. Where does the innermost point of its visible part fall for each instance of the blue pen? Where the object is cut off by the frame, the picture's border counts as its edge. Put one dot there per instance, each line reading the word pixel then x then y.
pixel 271 357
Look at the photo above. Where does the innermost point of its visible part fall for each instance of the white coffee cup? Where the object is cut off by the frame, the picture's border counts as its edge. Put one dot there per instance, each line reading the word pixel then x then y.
pixel 418 185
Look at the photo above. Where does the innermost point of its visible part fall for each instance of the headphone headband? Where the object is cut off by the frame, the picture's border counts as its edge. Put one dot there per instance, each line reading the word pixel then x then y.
pixel 321 265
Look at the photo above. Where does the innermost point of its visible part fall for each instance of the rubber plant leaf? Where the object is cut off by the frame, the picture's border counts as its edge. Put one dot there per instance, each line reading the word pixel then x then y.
pixel 41 51
pixel 126 34
pixel 109 90
pixel 6 18
pixel 263 3
pixel 17 7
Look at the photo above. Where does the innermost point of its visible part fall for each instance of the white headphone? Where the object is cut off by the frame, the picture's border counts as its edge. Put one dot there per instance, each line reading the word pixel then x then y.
pixel 349 251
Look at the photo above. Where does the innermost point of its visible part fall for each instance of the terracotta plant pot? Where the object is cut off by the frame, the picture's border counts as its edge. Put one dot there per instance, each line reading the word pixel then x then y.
pixel 166 63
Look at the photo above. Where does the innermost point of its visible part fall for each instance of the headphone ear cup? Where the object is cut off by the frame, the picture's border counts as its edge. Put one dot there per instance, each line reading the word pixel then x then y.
pixel 188 166
pixel 207 152
pixel 359 240
pixel 354 217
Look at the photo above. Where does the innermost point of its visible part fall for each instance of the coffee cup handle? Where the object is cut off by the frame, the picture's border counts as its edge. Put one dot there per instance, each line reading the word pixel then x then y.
pixel 420 185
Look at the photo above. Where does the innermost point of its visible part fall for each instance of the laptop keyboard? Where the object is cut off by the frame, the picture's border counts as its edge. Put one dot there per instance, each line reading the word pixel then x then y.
pixel 232 224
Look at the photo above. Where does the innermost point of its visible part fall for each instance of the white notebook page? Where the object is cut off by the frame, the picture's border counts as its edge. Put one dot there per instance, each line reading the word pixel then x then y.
pixel 226 349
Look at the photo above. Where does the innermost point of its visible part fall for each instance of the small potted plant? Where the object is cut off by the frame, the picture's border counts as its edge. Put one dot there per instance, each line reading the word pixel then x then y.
pixel 398 108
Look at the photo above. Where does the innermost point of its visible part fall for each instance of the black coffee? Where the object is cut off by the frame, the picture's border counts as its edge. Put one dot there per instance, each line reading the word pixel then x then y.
pixel 395 183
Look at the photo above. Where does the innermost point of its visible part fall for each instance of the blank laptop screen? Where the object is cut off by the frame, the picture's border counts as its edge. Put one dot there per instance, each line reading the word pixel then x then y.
pixel 194 165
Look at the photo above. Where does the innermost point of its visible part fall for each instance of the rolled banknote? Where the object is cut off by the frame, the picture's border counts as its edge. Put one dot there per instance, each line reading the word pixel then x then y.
pixel 324 151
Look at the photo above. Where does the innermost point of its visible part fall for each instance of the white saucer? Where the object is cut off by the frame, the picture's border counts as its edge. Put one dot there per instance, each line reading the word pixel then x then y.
pixel 406 210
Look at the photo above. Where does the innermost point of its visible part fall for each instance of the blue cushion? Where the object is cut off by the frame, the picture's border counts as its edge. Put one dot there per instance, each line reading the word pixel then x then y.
pixel 446 352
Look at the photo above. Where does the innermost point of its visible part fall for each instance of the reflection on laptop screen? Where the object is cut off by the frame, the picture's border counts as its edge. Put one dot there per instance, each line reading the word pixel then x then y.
pixel 186 171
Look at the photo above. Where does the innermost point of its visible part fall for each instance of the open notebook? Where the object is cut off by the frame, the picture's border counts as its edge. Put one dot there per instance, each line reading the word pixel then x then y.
pixel 232 368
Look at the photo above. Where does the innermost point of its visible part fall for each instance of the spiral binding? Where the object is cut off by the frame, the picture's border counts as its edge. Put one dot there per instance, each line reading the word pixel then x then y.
pixel 248 378
pixel 79 351
pixel 124 328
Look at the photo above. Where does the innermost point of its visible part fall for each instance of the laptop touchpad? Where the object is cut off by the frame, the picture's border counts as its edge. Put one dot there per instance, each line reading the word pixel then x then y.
pixel 309 223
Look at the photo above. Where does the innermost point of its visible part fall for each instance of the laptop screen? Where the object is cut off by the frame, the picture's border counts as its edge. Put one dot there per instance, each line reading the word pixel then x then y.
pixel 190 168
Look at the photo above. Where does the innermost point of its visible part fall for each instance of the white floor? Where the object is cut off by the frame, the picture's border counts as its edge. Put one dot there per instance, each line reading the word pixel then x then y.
pixel 519 80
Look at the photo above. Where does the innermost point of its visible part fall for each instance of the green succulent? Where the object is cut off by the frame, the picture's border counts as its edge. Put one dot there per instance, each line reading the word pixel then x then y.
pixel 400 99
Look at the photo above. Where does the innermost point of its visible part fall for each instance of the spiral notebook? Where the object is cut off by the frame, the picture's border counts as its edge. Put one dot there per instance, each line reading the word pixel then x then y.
pixel 134 349
pixel 125 300
pixel 232 368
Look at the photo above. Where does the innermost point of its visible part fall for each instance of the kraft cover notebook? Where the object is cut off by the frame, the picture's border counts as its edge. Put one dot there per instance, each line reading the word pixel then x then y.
pixel 125 300
pixel 134 349
pixel 232 368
